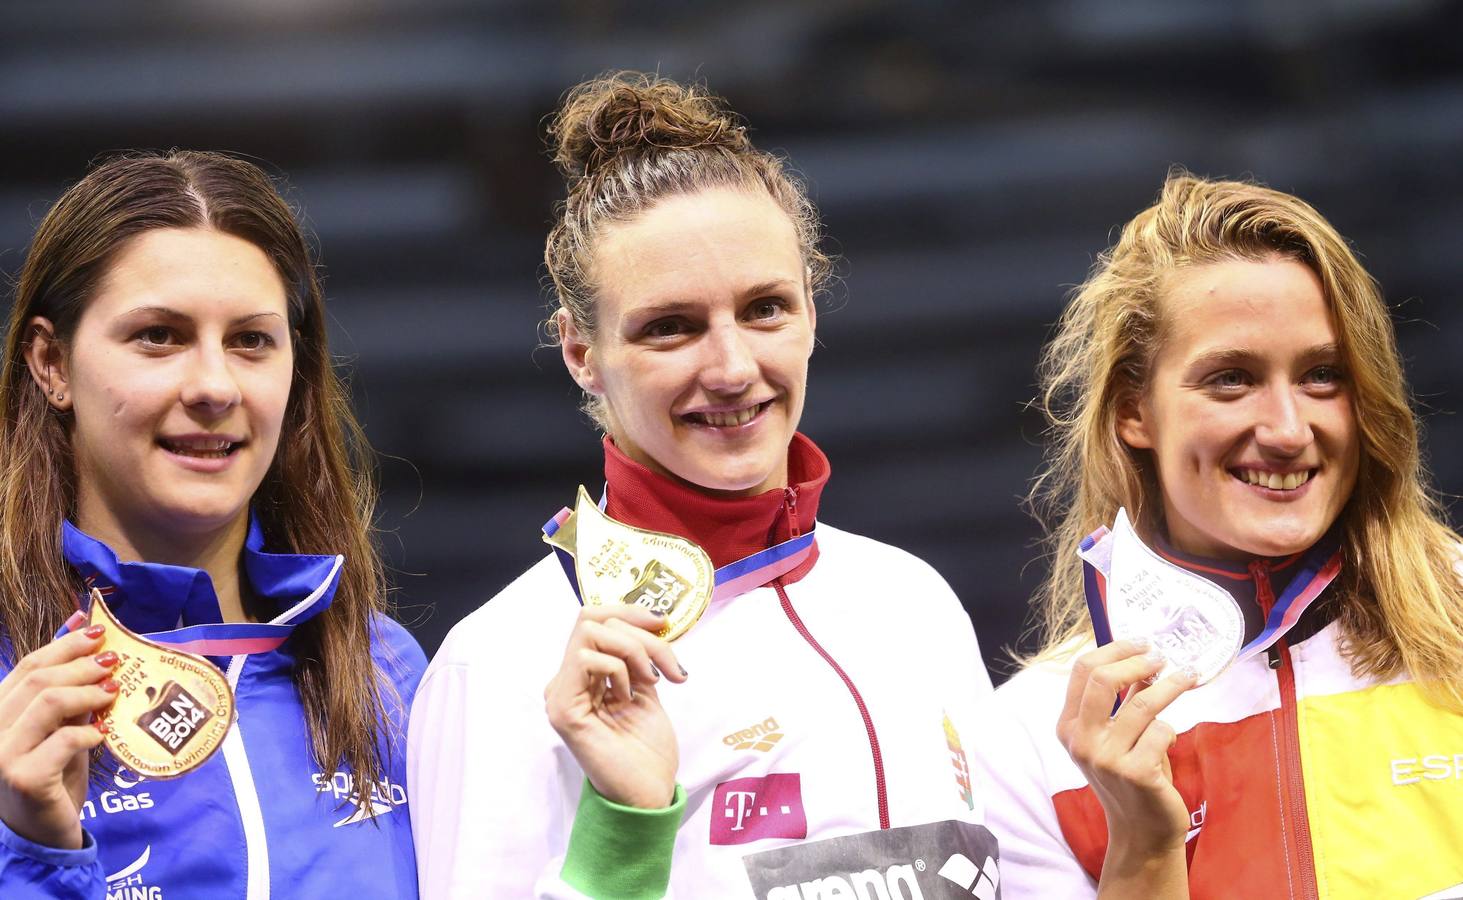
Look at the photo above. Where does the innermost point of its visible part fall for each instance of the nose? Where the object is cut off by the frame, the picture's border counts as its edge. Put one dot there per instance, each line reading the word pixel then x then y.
pixel 729 365
pixel 1283 426
pixel 209 383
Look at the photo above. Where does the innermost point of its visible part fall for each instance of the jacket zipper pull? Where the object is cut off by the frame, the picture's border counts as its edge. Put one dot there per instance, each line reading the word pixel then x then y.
pixel 790 503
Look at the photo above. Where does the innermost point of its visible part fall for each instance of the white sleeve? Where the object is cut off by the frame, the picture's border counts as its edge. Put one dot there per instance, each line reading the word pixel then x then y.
pixel 486 804
pixel 1036 861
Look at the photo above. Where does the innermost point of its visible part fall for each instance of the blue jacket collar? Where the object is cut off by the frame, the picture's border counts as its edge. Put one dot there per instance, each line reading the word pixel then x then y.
pixel 152 597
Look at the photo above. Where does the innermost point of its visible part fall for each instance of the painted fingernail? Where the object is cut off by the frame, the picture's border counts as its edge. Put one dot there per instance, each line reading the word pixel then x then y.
pixel 94 631
pixel 659 614
pixel 74 622
pixel 684 673
pixel 654 671
pixel 101 726
pixel 106 660
pixel 110 686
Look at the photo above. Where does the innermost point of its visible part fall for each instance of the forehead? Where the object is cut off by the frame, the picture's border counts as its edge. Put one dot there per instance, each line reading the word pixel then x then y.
pixel 704 246
pixel 1267 305
pixel 192 270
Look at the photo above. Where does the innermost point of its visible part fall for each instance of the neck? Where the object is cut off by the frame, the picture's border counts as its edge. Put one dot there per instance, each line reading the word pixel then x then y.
pixel 214 551
pixel 727 528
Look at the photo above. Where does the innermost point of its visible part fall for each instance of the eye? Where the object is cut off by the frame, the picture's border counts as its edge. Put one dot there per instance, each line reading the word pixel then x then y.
pixel 665 328
pixel 1228 380
pixel 155 336
pixel 1325 376
pixel 253 341
pixel 767 308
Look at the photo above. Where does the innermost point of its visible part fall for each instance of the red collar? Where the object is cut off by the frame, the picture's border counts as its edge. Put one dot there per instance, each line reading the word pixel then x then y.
pixel 727 529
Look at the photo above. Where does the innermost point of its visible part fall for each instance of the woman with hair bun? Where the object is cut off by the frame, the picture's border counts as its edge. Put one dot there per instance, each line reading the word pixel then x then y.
pixel 824 694
pixel 174 437
pixel 1228 376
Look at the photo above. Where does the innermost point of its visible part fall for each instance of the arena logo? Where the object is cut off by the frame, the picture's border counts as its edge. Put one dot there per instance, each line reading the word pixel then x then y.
pixel 935 861
pixel 763 736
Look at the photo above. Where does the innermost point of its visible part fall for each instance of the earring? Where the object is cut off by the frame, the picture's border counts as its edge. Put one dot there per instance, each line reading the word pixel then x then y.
pixel 60 397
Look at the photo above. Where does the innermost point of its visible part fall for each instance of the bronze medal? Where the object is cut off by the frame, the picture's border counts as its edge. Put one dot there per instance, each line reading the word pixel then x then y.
pixel 173 709
pixel 619 563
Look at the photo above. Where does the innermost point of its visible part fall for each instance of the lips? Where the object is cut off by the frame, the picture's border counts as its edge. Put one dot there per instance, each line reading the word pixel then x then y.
pixel 1275 481
pixel 731 418
pixel 201 446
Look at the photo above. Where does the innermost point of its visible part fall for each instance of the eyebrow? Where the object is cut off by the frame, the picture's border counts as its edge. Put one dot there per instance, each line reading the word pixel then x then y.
pixel 1235 355
pixel 770 287
pixel 170 313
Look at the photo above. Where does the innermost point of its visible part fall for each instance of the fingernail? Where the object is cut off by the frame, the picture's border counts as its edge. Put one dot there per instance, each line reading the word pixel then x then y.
pixel 659 614
pixel 684 673
pixel 1141 643
pixel 106 660
pixel 101 726
pixel 655 671
pixel 632 692
pixel 110 686
pixel 74 622
pixel 1191 673
pixel 95 631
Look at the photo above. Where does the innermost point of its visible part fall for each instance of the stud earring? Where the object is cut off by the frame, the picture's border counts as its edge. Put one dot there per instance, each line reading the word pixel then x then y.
pixel 60 397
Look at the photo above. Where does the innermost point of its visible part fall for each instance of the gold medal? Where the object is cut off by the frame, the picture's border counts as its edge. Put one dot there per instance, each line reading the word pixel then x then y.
pixel 172 710
pixel 621 564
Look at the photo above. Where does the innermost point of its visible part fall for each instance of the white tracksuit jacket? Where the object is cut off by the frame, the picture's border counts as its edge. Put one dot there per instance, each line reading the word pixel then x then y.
pixel 494 791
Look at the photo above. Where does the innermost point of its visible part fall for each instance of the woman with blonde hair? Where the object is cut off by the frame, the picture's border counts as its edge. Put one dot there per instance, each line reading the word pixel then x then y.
pixel 1228 375
pixel 174 436
pixel 831 677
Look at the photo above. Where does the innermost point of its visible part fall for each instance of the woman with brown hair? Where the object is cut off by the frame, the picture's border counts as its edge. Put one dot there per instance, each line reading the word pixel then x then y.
pixel 1228 376
pixel 173 435
pixel 832 677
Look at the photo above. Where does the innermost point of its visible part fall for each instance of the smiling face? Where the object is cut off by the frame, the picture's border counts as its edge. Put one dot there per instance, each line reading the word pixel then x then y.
pixel 1247 412
pixel 177 375
pixel 704 330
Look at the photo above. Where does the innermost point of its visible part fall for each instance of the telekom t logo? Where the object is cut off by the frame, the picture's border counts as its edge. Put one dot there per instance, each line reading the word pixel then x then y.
pixel 750 809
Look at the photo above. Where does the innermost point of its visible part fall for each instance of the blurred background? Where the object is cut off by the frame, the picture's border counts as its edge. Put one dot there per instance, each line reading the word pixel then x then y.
pixel 970 159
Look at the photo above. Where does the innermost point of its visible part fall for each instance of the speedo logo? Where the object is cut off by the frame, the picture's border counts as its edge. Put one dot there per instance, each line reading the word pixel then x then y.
pixel 385 795
pixel 762 736
pixel 897 882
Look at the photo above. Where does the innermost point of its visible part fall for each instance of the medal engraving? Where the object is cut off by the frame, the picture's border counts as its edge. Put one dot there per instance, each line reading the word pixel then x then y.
pixel 617 563
pixel 1190 620
pixel 173 709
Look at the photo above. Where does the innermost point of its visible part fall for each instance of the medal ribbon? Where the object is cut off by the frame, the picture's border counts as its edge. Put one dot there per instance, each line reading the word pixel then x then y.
pixel 732 579
pixel 1319 567
pixel 234 638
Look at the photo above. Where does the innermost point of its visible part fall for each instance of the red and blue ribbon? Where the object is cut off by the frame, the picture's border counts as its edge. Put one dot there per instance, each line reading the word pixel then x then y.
pixel 732 579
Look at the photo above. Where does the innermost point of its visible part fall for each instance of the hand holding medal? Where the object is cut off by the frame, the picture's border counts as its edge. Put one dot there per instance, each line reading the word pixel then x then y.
pixel 640 589
pixel 172 710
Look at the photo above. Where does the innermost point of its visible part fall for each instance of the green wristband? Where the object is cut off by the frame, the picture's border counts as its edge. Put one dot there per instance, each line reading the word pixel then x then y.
pixel 620 852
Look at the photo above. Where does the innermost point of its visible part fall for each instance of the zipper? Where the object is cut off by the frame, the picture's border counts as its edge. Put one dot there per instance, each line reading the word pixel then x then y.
pixel 236 761
pixel 1294 786
pixel 880 787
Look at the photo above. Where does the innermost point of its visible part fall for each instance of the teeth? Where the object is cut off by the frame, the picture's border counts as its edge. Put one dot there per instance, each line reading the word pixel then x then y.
pixel 208 448
pixel 1274 480
pixel 729 419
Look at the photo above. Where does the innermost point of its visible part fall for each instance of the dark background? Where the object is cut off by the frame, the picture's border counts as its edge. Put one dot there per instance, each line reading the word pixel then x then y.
pixel 970 159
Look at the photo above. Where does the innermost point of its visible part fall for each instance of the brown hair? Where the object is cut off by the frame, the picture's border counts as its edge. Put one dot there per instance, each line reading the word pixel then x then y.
pixel 318 495
pixel 1400 599
pixel 627 140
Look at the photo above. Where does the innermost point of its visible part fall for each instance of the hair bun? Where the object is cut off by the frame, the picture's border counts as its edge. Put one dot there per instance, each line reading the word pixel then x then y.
pixel 633 112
